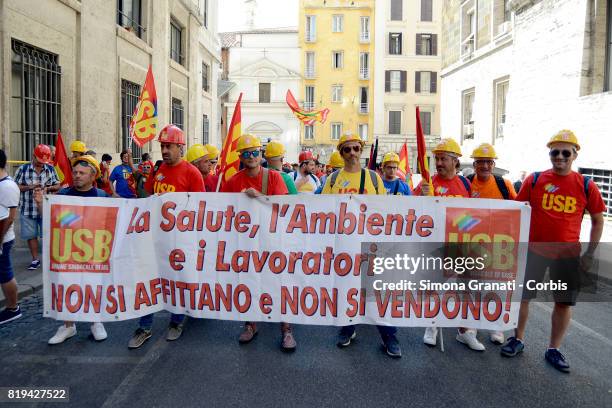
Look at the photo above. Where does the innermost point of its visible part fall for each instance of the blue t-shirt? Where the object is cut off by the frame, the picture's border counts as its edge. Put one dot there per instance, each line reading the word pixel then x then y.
pixel 125 184
pixel 92 192
pixel 402 187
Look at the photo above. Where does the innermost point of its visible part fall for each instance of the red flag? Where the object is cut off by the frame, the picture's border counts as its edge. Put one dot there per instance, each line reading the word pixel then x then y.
pixel 229 161
pixel 62 163
pixel 373 156
pixel 422 151
pixel 308 117
pixel 404 171
pixel 143 126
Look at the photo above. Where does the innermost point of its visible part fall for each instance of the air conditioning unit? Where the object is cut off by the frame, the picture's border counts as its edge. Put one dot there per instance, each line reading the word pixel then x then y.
pixel 504 28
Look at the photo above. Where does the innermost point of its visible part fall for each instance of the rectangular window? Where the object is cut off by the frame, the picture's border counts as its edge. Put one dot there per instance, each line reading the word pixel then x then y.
pixel 426 82
pixel 426 10
pixel 130 92
pixel 426 44
pixel 336 130
pixel 309 98
pixel 205 77
pixel 264 92
pixel 337 23
pixel 310 65
pixel 337 59
pixel 364 106
pixel 311 29
pixel 603 179
pixel 363 131
pixel 178 113
pixel 364 65
pixel 396 10
pixel 176 43
pixel 395 81
pixel 364 34
pixel 204 11
pixel 395 122
pixel 426 122
pixel 501 93
pixel 468 28
pixel 308 132
pixel 35 100
pixel 129 16
pixel 395 43
pixel 467 111
pixel 205 130
pixel 337 93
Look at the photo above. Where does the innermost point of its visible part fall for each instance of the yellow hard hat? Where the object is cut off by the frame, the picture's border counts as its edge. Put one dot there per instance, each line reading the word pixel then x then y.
pixel 390 157
pixel 196 152
pixel 78 146
pixel 336 161
pixel 564 136
pixel 91 161
pixel 213 152
pixel 484 151
pixel 248 141
pixel 448 145
pixel 349 137
pixel 274 149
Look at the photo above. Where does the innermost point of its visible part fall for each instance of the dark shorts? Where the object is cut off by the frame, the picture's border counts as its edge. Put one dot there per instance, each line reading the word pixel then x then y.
pixel 6 267
pixel 560 271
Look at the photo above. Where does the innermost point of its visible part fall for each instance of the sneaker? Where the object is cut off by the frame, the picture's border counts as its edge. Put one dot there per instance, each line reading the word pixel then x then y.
pixel 34 265
pixel 431 336
pixel 497 337
pixel 62 334
pixel 248 333
pixel 557 360
pixel 139 337
pixel 345 336
pixel 512 347
pixel 174 331
pixel 468 338
pixel 392 347
pixel 8 315
pixel 288 343
pixel 98 332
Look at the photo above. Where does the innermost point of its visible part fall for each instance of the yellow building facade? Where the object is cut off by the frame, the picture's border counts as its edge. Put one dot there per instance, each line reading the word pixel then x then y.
pixel 337 50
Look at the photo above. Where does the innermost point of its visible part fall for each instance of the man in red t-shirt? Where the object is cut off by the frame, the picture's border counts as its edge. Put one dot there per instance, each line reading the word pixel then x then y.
pixel 447 183
pixel 558 199
pixel 173 175
pixel 257 181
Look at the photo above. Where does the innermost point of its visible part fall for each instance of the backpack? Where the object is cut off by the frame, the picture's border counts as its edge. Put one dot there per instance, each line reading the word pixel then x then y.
pixel 586 180
pixel 264 180
pixel 312 176
pixel 335 174
pixel 501 185
pixel 466 184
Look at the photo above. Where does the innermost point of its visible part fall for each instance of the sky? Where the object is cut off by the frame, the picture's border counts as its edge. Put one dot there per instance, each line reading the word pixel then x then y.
pixel 268 14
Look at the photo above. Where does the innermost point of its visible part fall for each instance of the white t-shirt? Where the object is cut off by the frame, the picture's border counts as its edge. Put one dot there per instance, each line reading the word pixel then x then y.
pixel 305 184
pixel 9 198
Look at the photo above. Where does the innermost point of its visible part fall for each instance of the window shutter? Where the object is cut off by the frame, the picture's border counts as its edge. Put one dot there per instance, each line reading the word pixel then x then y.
pixel 390 44
pixel 403 78
pixel 419 44
pixel 426 10
pixel 434 82
pixel 399 38
pixel 417 82
pixel 434 44
pixel 387 81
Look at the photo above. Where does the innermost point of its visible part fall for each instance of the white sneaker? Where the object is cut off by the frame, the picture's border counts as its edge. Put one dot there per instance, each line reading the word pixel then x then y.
pixel 98 331
pixel 62 334
pixel 431 336
pixel 497 337
pixel 469 339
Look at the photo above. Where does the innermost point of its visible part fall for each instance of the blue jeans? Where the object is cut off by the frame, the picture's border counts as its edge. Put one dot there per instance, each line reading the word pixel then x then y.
pixel 146 322
pixel 385 331
pixel 6 267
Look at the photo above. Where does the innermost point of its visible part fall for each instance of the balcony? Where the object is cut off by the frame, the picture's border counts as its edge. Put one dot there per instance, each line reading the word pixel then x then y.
pixel 364 37
pixel 309 73
pixel 364 108
pixel 364 73
pixel 310 37
pixel 309 105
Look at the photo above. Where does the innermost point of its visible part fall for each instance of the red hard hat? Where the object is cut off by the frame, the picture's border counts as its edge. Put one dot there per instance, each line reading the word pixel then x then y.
pixel 171 134
pixel 43 153
pixel 305 156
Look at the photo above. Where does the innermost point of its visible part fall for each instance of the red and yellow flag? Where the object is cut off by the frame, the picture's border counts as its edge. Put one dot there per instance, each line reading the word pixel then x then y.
pixel 403 170
pixel 143 126
pixel 229 161
pixel 307 117
pixel 62 163
pixel 422 152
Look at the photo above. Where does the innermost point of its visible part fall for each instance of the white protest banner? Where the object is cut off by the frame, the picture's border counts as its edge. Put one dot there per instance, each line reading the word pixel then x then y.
pixel 302 259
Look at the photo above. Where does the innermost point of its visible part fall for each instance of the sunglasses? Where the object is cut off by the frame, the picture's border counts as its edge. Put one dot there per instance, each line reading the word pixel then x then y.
pixel 566 153
pixel 348 149
pixel 246 155
pixel 213 162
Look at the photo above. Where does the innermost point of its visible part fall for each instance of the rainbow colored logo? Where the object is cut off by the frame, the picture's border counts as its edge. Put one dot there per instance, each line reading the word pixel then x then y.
pixel 441 190
pixel 465 222
pixel 551 188
pixel 67 218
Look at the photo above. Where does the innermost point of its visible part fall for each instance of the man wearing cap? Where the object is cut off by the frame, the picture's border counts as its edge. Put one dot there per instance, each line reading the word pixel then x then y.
pixel 485 184
pixel 37 174
pixel 335 163
pixel 393 184
pixel 77 149
pixel 447 183
pixel 207 167
pixel 353 179
pixel 304 179
pixel 257 181
pixel 274 154
pixel 558 198
pixel 85 171
pixel 173 175
pixel 197 155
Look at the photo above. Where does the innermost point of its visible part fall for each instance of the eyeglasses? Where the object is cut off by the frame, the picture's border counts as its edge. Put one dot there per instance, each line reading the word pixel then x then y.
pixel 247 154
pixel 484 162
pixel 566 153
pixel 213 162
pixel 347 149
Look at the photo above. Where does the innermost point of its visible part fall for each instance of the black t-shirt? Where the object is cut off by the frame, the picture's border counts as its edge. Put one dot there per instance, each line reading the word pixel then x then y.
pixel 93 192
